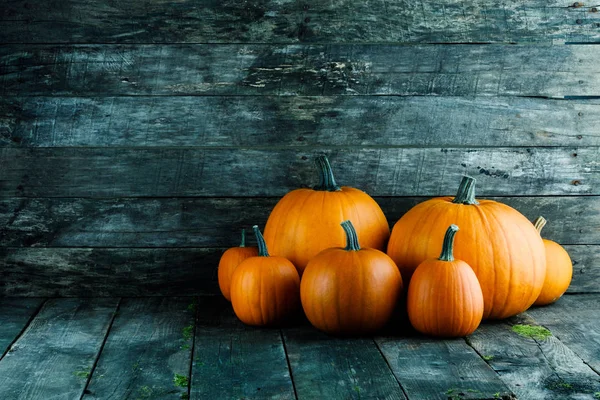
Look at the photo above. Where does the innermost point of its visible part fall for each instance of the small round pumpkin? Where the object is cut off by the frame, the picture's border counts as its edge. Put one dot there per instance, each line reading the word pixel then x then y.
pixel 229 261
pixel 501 245
pixel 265 290
pixel 444 296
pixel 350 291
pixel 559 269
pixel 306 221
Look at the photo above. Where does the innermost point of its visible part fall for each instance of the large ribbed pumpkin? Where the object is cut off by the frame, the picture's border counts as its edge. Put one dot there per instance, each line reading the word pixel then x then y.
pixel 559 269
pixel 499 243
pixel 306 221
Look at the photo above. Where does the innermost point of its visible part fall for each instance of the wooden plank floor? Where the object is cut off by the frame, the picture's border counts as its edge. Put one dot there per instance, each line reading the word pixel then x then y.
pixel 195 348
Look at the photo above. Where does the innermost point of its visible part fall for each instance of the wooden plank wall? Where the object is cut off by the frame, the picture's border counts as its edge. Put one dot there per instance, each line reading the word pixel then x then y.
pixel 137 138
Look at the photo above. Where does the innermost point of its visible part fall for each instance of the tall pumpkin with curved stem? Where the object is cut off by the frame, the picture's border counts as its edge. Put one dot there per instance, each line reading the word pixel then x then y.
pixel 444 295
pixel 306 221
pixel 351 290
pixel 265 290
pixel 499 243
pixel 229 261
pixel 559 269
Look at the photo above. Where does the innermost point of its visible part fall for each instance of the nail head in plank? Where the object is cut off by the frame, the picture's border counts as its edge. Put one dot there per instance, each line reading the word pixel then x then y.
pixel 439 369
pixel 149 344
pixel 236 361
pixel 54 356
pixel 325 367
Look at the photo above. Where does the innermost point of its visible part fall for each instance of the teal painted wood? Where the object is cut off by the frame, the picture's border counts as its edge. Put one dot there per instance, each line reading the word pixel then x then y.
pixel 296 121
pixel 441 369
pixel 370 69
pixel 55 355
pixel 324 367
pixel 233 361
pixel 15 314
pixel 88 272
pixel 216 222
pixel 149 346
pixel 586 269
pixel 534 369
pixel 574 320
pixel 110 172
pixel 277 21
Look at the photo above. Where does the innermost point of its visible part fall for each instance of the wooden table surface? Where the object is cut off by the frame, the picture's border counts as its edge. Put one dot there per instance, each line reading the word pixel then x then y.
pixel 187 347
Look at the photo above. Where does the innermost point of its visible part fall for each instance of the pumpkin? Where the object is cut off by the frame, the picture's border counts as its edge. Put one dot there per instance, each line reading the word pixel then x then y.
pixel 444 296
pixel 503 248
pixel 265 290
pixel 230 259
pixel 351 290
pixel 559 269
pixel 306 221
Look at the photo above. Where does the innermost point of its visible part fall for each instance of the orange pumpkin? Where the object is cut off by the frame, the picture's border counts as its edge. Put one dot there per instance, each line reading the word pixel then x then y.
pixel 444 296
pixel 265 290
pixel 230 259
pixel 306 221
pixel 499 243
pixel 349 291
pixel 559 269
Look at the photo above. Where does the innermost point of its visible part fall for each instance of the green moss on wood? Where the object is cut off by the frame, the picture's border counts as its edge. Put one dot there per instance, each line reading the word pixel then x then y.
pixel 180 380
pixel 531 331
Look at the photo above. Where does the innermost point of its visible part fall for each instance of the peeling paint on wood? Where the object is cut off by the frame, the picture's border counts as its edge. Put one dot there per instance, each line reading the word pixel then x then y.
pixel 277 21
pixel 282 121
pixel 461 70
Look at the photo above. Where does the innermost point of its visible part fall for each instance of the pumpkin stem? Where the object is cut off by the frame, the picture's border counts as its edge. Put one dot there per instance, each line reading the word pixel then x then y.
pixel 326 179
pixel 351 236
pixel 262 245
pixel 539 223
pixel 243 242
pixel 466 191
pixel 448 246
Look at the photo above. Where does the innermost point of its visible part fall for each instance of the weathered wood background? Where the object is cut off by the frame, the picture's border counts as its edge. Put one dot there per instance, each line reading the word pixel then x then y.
pixel 137 138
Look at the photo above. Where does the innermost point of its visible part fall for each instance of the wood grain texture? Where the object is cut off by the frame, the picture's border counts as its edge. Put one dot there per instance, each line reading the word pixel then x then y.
pixel 574 321
pixel 163 271
pixel 15 314
pixel 233 361
pixel 216 222
pixel 325 367
pixel 457 369
pixel 148 172
pixel 534 369
pixel 296 121
pixel 150 342
pixel 86 272
pixel 283 21
pixel 54 356
pixel 461 70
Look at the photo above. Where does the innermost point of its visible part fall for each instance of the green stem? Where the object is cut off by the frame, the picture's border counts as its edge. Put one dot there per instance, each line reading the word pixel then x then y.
pixel 539 223
pixel 351 236
pixel 243 243
pixel 448 246
pixel 262 246
pixel 326 179
pixel 466 191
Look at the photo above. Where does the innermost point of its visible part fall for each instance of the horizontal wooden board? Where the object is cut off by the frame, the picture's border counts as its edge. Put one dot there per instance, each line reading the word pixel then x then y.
pixel 534 369
pixel 234 361
pixel 170 172
pixel 282 121
pixel 216 222
pixel 458 371
pixel 284 21
pixel 86 272
pixel 163 271
pixel 145 349
pixel 15 314
pixel 54 357
pixel 461 70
